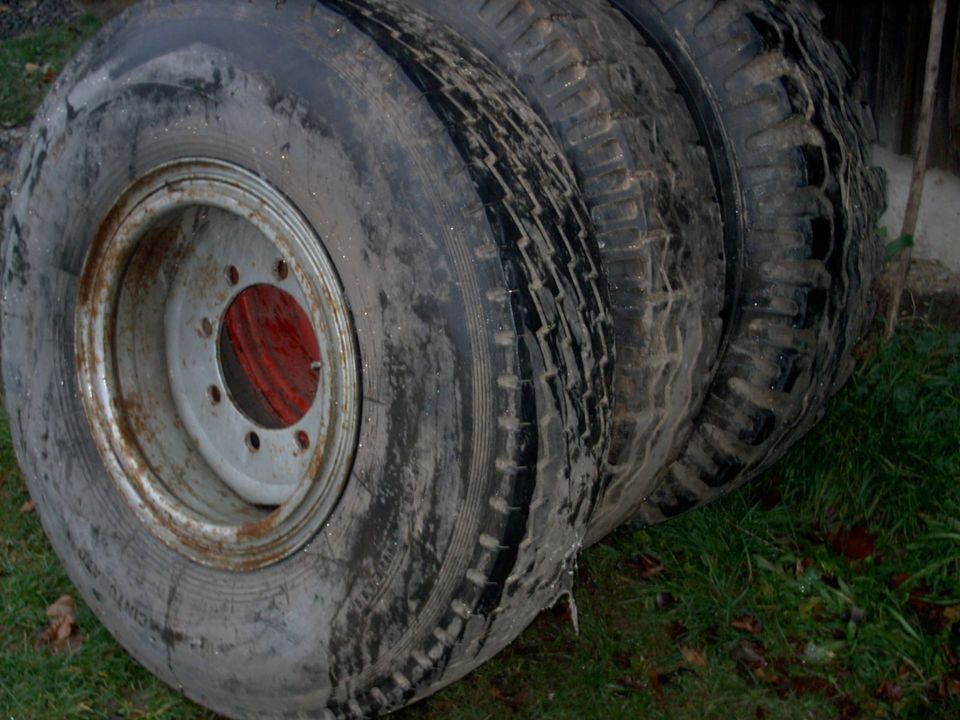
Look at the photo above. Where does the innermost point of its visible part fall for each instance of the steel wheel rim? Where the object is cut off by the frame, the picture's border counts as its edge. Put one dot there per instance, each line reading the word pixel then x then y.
pixel 169 262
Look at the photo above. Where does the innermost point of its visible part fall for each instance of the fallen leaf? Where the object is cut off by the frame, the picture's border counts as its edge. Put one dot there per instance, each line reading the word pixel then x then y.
pixel 898 579
pixel 657 687
pixel 951 614
pixel 514 702
pixel 31 68
pixel 762 675
pixel 891 692
pixel 63 606
pixel 801 565
pixel 808 685
pixel 748 624
pixel 855 543
pixel 694 656
pixel 61 634
pixel 49 76
pixel 648 565
pixel 27 507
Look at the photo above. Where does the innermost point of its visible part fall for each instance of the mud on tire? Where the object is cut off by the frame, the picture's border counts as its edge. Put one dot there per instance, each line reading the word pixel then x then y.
pixel 788 140
pixel 646 180
pixel 449 225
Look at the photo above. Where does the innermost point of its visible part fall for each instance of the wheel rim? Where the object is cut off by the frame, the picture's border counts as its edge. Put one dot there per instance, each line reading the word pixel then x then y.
pixel 218 364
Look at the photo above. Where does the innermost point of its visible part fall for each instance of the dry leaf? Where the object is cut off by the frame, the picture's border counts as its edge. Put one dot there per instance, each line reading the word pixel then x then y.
pixel 748 624
pixel 648 565
pixel 891 692
pixel 762 675
pixel 27 507
pixel 62 607
pixel 694 656
pixel 657 687
pixel 32 68
pixel 62 633
pixel 855 543
pixel 514 702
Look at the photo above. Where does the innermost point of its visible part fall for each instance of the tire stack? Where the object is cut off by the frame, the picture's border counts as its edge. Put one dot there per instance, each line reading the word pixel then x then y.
pixel 332 331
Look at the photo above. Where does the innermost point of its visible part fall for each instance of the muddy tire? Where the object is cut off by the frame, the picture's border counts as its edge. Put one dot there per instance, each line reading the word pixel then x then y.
pixel 346 526
pixel 646 179
pixel 788 141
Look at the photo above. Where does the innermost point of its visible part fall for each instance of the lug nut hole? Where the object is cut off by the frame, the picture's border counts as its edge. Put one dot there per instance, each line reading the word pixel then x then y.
pixel 303 440
pixel 215 395
pixel 206 327
pixel 233 275
pixel 282 270
pixel 253 441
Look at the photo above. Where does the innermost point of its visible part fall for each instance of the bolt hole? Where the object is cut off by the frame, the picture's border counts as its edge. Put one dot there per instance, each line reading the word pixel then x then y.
pixel 282 269
pixel 253 441
pixel 215 395
pixel 303 440
pixel 206 327
pixel 233 275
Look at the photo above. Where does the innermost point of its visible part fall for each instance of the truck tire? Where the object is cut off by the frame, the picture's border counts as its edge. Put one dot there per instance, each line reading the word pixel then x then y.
pixel 646 179
pixel 306 351
pixel 788 142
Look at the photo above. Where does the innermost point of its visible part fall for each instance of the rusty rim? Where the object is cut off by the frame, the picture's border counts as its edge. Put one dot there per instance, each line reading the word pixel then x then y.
pixel 218 364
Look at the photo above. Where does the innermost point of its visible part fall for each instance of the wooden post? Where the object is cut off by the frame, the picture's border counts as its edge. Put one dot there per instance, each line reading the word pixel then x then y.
pixel 920 159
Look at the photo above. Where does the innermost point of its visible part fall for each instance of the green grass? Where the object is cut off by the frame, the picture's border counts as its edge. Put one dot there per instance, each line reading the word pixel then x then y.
pixel 29 64
pixel 877 477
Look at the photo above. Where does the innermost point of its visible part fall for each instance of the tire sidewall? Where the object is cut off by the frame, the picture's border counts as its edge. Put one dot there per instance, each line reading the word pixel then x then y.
pixel 396 235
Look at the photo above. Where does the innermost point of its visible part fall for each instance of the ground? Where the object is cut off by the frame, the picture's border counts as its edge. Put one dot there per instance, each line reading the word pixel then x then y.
pixel 828 588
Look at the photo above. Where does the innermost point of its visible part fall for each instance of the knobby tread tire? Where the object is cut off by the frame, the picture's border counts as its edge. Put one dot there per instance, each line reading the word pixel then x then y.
pixel 549 326
pixel 778 108
pixel 557 292
pixel 646 179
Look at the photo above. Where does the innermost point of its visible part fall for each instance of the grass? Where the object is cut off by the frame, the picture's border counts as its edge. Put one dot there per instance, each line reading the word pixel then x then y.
pixel 29 64
pixel 828 588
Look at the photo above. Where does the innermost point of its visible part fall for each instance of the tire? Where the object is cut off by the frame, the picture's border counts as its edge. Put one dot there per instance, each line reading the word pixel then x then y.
pixel 646 179
pixel 206 177
pixel 788 143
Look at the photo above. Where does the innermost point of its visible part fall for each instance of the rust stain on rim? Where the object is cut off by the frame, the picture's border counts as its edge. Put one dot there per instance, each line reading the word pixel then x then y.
pixel 140 235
